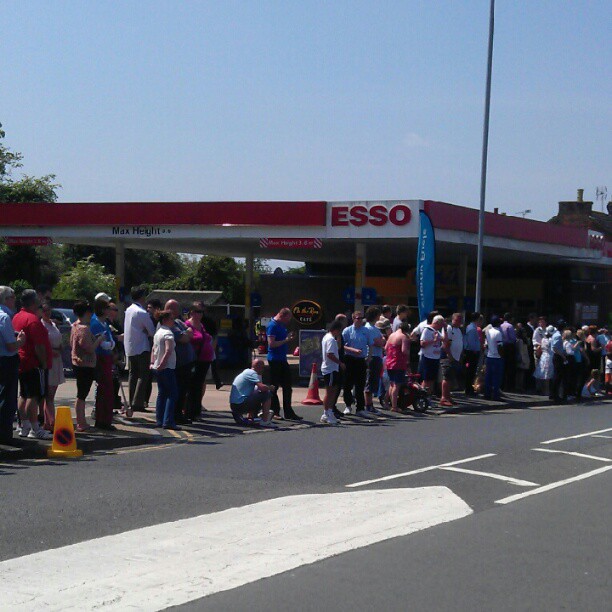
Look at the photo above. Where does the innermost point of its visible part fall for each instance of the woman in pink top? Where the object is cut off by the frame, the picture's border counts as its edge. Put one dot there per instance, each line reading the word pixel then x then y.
pixel 397 352
pixel 202 343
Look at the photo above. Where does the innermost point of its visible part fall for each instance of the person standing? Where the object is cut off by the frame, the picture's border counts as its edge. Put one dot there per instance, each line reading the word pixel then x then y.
pixel 185 359
pixel 509 355
pixel 211 328
pixel 450 360
pixel 138 333
pixel 331 368
pixel 357 341
pixel 9 364
pixel 472 351
pixel 163 363
pixel 32 364
pixel 544 362
pixel 56 371
pixel 494 368
pixel 431 349
pixel 402 314
pixel 375 358
pixel 201 341
pixel 105 402
pixel 83 347
pixel 397 357
pixel 560 365
pixel 280 374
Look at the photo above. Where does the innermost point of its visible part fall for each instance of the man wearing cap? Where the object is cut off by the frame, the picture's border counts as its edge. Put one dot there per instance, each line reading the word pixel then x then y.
pixel 561 366
pixel 139 330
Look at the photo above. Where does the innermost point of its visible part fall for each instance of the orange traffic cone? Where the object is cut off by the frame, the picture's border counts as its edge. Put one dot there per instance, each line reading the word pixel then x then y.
pixel 312 397
pixel 64 442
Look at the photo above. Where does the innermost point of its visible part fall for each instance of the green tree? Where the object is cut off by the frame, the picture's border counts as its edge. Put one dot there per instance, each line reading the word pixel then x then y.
pixel 33 264
pixel 83 281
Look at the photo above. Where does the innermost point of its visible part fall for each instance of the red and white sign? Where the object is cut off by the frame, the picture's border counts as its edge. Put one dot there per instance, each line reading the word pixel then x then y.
pixel 290 243
pixel 28 240
pixel 377 215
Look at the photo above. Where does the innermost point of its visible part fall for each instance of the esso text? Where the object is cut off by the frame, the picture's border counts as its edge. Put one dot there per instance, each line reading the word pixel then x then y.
pixel 376 215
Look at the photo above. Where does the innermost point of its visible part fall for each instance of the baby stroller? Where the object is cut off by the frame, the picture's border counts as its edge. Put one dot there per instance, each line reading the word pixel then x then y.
pixel 413 393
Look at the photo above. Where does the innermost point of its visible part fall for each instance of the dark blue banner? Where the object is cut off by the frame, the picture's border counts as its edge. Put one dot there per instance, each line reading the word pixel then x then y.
pixel 426 267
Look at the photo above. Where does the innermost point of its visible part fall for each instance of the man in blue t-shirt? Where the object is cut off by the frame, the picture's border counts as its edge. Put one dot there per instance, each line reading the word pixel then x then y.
pixel 280 374
pixel 249 396
pixel 357 341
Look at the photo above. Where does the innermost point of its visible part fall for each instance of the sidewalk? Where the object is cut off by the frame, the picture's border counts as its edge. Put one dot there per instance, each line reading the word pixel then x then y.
pixel 218 423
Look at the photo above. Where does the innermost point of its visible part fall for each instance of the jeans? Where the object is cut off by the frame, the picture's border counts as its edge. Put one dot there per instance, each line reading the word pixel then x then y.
pixel 8 396
pixel 167 394
pixel 493 377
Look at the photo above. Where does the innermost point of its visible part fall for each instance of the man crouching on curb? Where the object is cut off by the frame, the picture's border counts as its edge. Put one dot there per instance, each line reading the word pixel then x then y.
pixel 249 396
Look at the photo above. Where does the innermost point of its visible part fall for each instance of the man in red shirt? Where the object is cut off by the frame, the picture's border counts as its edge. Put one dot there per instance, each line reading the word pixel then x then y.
pixel 33 361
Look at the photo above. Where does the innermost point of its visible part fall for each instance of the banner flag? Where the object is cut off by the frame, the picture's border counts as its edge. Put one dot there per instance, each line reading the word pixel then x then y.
pixel 426 267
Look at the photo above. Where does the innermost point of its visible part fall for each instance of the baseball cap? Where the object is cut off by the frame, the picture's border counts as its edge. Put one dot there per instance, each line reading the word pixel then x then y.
pixel 103 296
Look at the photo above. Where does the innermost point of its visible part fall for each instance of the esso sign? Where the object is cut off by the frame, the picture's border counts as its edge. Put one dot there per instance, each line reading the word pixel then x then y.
pixel 376 215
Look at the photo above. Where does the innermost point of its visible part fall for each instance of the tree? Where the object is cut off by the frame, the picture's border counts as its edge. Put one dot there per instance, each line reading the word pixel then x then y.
pixel 33 264
pixel 83 281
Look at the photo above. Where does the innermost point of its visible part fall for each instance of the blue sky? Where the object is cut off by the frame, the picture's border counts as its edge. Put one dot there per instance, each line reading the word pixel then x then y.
pixel 306 100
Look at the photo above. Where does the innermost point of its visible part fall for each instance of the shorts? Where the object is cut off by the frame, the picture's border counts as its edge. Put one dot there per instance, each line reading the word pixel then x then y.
pixel 428 368
pixel 333 379
pixel 84 380
pixel 252 404
pixel 397 377
pixel 375 365
pixel 32 384
pixel 450 370
pixel 608 368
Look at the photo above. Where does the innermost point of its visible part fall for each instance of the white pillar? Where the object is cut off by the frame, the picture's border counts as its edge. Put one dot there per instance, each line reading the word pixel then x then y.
pixel 463 282
pixel 360 273
pixel 120 274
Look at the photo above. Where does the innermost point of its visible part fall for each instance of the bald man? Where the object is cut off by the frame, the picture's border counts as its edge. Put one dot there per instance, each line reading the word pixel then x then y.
pixel 185 358
pixel 249 396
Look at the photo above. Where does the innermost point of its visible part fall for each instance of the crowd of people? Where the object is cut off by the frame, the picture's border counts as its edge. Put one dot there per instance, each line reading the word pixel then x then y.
pixel 155 340
pixel 364 356
pixel 371 355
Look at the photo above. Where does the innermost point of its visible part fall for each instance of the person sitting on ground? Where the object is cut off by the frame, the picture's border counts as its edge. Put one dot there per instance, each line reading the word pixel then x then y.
pixel 592 387
pixel 249 396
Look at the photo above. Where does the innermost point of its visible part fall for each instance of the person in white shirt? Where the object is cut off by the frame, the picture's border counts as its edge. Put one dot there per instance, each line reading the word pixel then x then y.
pixel 431 346
pixel 331 368
pixel 452 341
pixel 494 363
pixel 163 362
pixel 138 332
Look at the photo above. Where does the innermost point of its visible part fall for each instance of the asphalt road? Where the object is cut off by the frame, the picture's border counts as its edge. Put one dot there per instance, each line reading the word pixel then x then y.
pixel 548 550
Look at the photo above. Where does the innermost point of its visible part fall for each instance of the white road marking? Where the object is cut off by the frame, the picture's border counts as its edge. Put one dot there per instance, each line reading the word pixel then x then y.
pixel 553 485
pixel 171 564
pixel 418 471
pixel 600 436
pixel 573 454
pixel 584 435
pixel 515 481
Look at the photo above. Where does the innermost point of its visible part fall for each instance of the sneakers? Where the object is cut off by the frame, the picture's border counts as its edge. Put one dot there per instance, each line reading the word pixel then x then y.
pixel 25 429
pixel 41 434
pixel 328 418
pixel 372 410
pixel 364 414
pixel 347 410
pixel 268 425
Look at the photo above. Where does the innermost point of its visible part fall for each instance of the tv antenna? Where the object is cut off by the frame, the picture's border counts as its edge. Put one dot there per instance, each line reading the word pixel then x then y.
pixel 523 213
pixel 601 193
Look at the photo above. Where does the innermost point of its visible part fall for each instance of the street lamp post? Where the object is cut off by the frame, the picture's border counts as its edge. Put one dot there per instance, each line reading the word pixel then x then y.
pixel 483 169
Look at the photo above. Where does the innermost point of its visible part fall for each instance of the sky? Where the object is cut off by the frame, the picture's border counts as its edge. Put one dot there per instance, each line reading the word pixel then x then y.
pixel 284 100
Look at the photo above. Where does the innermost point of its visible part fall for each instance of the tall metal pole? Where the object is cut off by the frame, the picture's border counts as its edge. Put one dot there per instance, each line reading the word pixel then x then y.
pixel 483 169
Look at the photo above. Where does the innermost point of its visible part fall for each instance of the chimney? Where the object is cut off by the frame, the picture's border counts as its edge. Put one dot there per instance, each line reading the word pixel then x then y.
pixel 496 211
pixel 580 197
pixel 577 213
